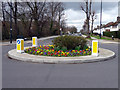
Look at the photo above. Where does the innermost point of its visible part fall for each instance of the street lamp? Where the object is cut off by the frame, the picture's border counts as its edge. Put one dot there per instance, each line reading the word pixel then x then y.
pixel 100 18
pixel 60 32
pixel 11 23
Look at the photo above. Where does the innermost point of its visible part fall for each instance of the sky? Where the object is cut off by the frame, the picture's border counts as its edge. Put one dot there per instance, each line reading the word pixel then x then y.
pixel 75 16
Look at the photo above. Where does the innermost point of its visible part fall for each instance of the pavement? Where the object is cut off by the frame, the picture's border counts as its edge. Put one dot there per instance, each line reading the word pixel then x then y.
pixel 103 41
pixel 17 74
pixel 28 41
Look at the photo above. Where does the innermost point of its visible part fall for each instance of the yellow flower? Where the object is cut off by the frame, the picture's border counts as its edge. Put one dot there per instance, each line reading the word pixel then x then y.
pixel 41 53
pixel 73 50
pixel 38 51
pixel 50 45
pixel 53 50
pixel 87 49
pixel 58 54
pixel 40 46
pixel 67 53
pixel 47 50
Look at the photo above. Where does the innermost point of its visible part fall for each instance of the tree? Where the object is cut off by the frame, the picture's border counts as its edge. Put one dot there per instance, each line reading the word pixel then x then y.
pixel 3 22
pixel 93 17
pixel 37 13
pixel 87 11
pixel 15 13
pixel 34 18
pixel 55 10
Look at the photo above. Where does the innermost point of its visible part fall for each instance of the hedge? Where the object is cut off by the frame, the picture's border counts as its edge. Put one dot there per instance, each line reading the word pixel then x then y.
pixel 116 34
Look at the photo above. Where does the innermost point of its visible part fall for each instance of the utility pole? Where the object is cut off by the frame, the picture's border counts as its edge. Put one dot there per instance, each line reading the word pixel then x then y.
pixel 11 23
pixel 100 18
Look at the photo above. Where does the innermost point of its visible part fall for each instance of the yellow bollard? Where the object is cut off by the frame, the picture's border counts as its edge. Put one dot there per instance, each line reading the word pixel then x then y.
pixel 20 45
pixel 95 47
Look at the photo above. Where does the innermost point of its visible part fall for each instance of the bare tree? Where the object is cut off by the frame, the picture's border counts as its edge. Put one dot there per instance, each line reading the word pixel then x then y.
pixel 37 13
pixel 55 9
pixel 43 17
pixel 87 11
pixel 3 22
pixel 60 13
pixel 93 17
pixel 15 13
pixel 25 17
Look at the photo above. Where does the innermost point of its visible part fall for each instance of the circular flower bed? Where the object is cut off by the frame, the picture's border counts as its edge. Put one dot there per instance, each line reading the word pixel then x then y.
pixel 51 50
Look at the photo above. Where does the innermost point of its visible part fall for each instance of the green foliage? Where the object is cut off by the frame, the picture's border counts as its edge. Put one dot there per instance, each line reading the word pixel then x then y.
pixel 77 47
pixel 63 49
pixel 85 47
pixel 116 34
pixel 70 42
pixel 56 48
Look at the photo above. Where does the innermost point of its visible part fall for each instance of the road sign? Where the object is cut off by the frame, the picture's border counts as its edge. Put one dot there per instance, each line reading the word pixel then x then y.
pixel 18 41
pixel 95 47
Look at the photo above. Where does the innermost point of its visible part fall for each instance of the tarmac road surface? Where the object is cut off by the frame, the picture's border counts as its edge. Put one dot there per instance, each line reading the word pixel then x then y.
pixel 18 74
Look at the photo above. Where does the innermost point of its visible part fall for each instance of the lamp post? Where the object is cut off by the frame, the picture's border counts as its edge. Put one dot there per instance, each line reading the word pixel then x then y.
pixel 100 18
pixel 60 32
pixel 11 24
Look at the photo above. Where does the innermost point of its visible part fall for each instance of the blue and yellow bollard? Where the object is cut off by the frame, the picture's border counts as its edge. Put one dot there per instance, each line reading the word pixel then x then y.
pixel 20 45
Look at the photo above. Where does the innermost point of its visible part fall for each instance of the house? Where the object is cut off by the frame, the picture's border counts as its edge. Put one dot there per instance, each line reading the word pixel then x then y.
pixel 111 26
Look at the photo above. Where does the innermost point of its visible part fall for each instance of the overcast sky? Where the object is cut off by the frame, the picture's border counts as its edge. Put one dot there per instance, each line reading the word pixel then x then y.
pixel 76 17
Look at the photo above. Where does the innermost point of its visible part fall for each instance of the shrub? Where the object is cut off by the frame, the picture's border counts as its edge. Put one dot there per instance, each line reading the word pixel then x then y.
pixel 70 42
pixel 77 47
pixel 64 49
pixel 116 34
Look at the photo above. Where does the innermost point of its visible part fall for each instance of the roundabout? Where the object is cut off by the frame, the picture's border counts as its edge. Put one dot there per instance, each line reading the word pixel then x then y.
pixel 104 54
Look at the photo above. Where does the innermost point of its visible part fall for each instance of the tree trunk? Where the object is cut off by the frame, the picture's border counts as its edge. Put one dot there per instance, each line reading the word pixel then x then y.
pixel 15 18
pixel 92 26
pixel 51 26
pixel 3 23
pixel 29 32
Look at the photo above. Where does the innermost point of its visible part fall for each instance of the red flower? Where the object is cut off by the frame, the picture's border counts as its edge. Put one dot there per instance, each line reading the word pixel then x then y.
pixel 55 51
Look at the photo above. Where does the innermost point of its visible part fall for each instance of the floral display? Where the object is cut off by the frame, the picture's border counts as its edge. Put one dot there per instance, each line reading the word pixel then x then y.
pixel 49 50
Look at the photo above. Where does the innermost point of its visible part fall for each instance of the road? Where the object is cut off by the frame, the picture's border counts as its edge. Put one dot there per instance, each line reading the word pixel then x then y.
pixel 18 74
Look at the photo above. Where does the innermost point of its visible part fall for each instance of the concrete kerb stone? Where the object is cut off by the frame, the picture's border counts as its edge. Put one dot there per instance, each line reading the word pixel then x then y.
pixel 104 54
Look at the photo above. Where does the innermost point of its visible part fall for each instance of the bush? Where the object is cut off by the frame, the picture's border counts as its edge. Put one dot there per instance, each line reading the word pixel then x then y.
pixel 116 34
pixel 78 48
pixel 70 42
pixel 64 49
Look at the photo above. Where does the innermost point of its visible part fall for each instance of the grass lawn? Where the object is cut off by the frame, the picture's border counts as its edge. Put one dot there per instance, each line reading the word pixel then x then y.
pixel 102 37
pixel 89 39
